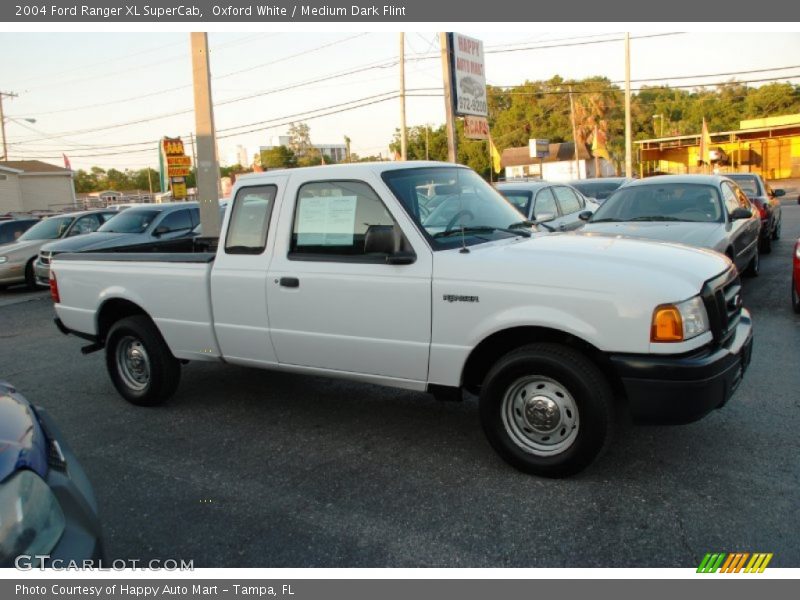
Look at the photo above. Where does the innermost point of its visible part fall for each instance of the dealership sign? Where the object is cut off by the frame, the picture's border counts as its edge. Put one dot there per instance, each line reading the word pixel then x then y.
pixel 469 76
pixel 476 128
pixel 539 148
pixel 175 166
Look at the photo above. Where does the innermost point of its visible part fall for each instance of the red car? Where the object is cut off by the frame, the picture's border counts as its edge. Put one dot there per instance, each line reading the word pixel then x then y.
pixel 796 277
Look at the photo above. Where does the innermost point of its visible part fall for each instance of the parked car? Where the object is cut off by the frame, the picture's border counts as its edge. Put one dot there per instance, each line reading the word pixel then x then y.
pixel 556 205
pixel 47 506
pixel 11 230
pixel 707 211
pixel 796 277
pixel 163 224
pixel 17 258
pixel 600 188
pixel 334 272
pixel 767 203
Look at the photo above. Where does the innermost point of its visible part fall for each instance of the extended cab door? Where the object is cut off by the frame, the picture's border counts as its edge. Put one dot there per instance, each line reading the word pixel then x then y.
pixel 334 300
pixel 239 275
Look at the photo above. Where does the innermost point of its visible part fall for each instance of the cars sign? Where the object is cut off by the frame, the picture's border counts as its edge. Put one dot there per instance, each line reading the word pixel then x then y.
pixel 469 76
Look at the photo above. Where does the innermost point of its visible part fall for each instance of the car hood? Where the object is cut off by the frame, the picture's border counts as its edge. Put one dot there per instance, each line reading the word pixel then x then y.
pixel 98 240
pixel 703 235
pixel 22 442
pixel 25 248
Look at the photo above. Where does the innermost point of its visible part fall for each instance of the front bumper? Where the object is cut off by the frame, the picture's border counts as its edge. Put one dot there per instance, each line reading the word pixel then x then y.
pixel 82 538
pixel 675 390
pixel 41 273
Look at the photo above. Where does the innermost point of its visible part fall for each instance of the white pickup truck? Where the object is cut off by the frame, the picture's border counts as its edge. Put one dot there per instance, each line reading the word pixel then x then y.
pixel 355 271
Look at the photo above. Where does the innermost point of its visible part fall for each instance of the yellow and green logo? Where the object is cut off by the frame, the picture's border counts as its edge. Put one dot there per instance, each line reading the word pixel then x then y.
pixel 721 562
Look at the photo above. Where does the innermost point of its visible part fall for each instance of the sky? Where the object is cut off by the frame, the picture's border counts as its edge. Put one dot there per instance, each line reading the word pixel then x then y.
pixel 92 94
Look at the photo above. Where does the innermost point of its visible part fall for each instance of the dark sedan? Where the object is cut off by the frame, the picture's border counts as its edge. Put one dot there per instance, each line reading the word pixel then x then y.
pixel 767 203
pixel 47 507
pixel 707 211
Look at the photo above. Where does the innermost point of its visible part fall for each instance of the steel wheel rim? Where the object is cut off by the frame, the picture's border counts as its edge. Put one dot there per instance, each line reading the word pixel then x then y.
pixel 133 363
pixel 540 415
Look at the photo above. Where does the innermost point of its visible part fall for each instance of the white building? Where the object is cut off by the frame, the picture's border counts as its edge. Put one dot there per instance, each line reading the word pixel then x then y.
pixel 27 185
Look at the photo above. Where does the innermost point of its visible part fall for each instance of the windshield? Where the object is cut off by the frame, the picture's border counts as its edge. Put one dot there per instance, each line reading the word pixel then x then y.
pixel 130 221
pixel 662 202
pixel 49 229
pixel 462 203
pixel 748 184
pixel 596 189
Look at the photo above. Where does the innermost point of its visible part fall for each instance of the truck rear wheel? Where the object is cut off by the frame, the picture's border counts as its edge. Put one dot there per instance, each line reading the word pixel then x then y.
pixel 546 409
pixel 140 363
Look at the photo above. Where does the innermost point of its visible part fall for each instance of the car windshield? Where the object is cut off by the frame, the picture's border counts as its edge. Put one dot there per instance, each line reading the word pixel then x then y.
pixel 749 185
pixel 596 189
pixel 464 210
pixel 49 229
pixel 662 202
pixel 130 221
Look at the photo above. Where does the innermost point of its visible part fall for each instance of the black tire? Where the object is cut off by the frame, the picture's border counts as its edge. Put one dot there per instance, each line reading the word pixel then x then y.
pixel 138 338
pixel 754 268
pixel 776 233
pixel 30 276
pixel 766 244
pixel 555 367
pixel 795 297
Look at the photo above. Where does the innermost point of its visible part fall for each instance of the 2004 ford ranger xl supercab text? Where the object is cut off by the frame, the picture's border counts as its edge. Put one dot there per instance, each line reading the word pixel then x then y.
pixel 357 271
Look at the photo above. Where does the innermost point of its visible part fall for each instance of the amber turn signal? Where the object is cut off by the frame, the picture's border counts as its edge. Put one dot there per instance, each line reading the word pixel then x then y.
pixel 667 324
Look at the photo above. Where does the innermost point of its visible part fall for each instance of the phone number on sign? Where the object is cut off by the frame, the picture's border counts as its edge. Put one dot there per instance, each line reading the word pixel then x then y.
pixel 106 12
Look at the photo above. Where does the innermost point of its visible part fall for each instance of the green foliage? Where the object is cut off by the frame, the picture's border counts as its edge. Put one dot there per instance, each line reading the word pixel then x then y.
pixel 541 109
pixel 98 179
pixel 277 158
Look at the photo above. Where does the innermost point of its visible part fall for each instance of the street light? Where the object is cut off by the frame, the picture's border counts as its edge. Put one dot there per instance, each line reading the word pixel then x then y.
pixel 3 122
pixel 662 125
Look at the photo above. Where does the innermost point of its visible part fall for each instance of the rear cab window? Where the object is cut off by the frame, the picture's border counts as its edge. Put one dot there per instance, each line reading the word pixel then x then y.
pixel 248 225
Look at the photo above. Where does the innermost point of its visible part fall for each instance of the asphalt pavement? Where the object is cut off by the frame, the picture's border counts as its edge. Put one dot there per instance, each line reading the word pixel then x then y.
pixel 248 468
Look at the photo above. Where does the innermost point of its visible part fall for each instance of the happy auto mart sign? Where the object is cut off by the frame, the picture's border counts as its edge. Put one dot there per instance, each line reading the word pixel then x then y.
pixel 469 76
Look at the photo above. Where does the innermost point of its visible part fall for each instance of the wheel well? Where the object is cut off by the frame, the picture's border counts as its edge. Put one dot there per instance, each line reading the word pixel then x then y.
pixel 112 311
pixel 486 353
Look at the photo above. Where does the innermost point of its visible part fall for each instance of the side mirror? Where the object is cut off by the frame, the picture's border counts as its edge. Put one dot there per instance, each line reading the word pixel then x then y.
pixel 740 213
pixel 544 218
pixel 401 258
pixel 778 193
pixel 585 215
pixel 161 230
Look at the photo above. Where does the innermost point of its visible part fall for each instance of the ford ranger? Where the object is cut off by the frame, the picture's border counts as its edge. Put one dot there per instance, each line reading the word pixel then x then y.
pixel 338 271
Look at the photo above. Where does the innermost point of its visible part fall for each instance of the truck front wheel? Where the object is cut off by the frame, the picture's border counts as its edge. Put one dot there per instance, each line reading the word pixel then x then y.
pixel 140 363
pixel 546 409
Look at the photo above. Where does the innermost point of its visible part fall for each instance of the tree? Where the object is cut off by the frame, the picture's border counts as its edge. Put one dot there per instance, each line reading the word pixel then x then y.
pixel 278 157
pixel 300 139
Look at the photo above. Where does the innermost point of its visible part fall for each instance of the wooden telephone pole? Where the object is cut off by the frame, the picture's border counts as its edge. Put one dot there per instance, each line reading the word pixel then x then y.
pixel 403 133
pixel 447 76
pixel 3 122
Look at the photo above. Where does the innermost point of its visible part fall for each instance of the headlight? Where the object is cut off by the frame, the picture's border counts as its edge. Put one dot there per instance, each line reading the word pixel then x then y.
pixel 31 520
pixel 679 322
pixel 3 259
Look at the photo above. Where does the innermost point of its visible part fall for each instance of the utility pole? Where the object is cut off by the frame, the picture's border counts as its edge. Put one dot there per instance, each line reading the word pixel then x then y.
pixel 574 134
pixel 207 169
pixel 427 141
pixel 150 182
pixel 3 122
pixel 447 75
pixel 403 133
pixel 628 136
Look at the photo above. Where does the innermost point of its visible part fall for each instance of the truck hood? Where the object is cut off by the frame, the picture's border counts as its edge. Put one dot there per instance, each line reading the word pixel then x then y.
pixel 704 235
pixel 98 240
pixel 592 263
pixel 22 442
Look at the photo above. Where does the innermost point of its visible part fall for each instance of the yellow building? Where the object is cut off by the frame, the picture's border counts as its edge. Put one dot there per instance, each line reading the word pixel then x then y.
pixel 769 147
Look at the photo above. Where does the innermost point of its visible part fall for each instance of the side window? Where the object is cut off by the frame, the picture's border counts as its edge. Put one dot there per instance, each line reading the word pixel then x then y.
pixel 545 203
pixel 519 200
pixel 195 214
pixel 85 224
pixel 729 197
pixel 249 222
pixel 341 219
pixel 177 220
pixel 567 200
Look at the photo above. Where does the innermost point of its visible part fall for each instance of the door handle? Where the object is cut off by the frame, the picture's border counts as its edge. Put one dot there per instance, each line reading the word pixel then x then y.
pixel 290 282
